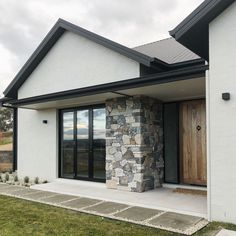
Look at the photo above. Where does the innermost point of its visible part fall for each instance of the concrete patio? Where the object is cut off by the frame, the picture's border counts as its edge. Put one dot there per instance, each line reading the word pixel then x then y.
pixel 164 199
pixel 134 213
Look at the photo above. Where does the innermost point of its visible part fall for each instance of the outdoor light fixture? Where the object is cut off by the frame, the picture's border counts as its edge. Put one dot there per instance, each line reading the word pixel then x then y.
pixel 45 121
pixel 226 96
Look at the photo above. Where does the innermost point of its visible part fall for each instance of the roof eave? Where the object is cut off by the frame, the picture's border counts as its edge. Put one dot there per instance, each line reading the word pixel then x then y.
pixel 51 38
pixel 158 78
pixel 195 26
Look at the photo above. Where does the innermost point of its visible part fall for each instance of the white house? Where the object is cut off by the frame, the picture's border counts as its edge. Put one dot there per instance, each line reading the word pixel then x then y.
pixel 88 108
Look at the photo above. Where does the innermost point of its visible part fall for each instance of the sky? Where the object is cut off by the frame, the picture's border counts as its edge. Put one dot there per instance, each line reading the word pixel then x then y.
pixel 23 24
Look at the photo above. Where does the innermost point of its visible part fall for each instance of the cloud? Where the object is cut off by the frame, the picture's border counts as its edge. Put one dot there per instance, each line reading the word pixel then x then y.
pixel 23 24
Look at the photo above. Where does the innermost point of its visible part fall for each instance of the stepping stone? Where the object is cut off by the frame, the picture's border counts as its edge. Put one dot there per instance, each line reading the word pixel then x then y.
pixel 38 195
pixel 58 198
pixel 12 189
pixel 4 186
pixel 171 220
pixel 106 208
pixel 137 214
pixel 225 232
pixel 24 191
pixel 80 203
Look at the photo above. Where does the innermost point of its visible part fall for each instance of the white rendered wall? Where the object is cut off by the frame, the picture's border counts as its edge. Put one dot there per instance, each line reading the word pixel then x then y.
pixel 37 144
pixel 76 62
pixel 222 130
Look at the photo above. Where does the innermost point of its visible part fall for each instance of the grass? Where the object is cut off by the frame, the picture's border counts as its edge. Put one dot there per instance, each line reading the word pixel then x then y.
pixel 5 141
pixel 19 217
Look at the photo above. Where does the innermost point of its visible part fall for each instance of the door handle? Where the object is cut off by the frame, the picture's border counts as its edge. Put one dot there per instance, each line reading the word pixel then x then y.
pixel 199 128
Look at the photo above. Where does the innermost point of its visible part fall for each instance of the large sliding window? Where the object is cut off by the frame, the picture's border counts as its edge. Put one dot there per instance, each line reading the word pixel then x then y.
pixel 82 139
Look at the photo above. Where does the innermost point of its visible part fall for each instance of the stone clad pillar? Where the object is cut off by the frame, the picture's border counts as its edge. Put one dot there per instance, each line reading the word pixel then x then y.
pixel 134 143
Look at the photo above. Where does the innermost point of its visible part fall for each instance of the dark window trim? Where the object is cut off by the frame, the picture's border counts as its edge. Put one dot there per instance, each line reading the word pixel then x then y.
pixel 15 141
pixel 60 127
pixel 177 134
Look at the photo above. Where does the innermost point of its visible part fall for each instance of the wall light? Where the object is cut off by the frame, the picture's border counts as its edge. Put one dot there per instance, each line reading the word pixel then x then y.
pixel 226 96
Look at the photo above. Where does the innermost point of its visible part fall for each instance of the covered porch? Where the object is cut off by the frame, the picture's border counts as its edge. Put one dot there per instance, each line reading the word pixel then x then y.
pixel 129 162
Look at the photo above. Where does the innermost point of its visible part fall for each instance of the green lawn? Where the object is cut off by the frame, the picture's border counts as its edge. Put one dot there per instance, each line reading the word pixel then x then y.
pixel 19 217
pixel 5 141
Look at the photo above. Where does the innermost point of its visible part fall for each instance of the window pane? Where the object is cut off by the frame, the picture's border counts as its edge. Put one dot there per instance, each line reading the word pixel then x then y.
pixel 99 133
pixel 83 143
pixel 67 152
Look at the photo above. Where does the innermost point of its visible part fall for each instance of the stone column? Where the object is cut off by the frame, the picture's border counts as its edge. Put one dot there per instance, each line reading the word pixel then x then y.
pixel 134 143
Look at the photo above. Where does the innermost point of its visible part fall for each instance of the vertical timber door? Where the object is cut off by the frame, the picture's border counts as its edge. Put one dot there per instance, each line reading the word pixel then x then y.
pixel 82 143
pixel 193 166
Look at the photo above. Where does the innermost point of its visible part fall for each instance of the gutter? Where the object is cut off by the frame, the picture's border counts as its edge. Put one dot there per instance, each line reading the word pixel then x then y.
pixel 158 78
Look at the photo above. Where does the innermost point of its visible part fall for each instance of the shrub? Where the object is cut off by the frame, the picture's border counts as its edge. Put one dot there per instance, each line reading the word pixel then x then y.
pixel 26 180
pixel 1 178
pixel 16 178
pixel 36 180
pixel 7 177
pixel 45 181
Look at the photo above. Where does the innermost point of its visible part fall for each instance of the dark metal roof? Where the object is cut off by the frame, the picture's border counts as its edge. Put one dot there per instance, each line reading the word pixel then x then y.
pixel 51 38
pixel 193 33
pixel 167 50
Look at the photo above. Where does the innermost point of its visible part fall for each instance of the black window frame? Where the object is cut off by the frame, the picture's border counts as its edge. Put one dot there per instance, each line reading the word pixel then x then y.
pixel 90 109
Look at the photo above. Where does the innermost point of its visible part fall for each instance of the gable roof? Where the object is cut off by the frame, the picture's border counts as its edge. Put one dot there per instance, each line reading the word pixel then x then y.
pixel 193 33
pixel 167 50
pixel 51 38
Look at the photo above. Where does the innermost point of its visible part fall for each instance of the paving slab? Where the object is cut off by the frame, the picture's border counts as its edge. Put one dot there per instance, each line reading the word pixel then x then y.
pixel 137 214
pixel 80 203
pixel 39 195
pixel 59 198
pixel 11 189
pixel 225 232
pixel 4 186
pixel 171 220
pixel 23 192
pixel 107 208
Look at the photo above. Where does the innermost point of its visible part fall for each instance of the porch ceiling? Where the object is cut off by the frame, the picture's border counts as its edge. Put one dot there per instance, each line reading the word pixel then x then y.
pixel 175 91
pixel 172 91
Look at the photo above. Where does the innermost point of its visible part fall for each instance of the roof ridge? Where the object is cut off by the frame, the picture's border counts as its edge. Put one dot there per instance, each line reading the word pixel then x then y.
pixel 153 42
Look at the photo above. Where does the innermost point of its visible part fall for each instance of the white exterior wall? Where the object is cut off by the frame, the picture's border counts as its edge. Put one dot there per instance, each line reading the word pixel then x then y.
pixel 222 117
pixel 76 62
pixel 37 144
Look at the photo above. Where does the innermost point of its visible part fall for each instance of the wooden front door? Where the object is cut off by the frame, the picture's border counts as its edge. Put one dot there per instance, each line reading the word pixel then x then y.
pixel 193 142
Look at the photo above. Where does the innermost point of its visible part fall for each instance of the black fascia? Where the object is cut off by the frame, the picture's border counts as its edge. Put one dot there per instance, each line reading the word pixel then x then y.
pixel 159 78
pixel 4 101
pixel 51 38
pixel 193 31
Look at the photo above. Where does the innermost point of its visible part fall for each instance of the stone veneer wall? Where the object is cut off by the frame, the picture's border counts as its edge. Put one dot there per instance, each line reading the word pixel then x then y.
pixel 134 143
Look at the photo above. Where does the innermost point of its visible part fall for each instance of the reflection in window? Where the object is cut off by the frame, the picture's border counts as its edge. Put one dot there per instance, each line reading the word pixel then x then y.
pixel 99 131
pixel 67 152
pixel 68 126
pixel 82 143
